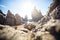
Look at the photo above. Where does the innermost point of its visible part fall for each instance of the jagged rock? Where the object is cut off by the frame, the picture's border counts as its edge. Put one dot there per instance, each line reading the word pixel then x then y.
pixel 49 31
pixel 55 14
pixel 36 15
pixel 18 19
pixel 2 17
pixel 53 5
pixel 44 20
pixel 53 26
pixel 10 19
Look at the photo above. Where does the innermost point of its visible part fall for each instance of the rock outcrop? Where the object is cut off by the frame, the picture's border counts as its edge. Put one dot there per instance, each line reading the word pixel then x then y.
pixel 53 5
pixel 18 19
pixel 2 17
pixel 55 14
pixel 44 20
pixel 53 26
pixel 50 30
pixel 10 19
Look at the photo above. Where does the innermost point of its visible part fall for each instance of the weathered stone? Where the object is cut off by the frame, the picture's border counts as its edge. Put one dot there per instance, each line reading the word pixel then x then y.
pixel 18 19
pixel 44 20
pixel 53 5
pixel 55 14
pixel 10 19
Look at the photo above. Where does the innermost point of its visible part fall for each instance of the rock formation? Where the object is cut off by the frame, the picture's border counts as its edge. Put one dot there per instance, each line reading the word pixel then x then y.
pixel 44 20
pixel 51 27
pixel 55 14
pixel 18 19
pixel 10 19
pixel 53 5
pixel 36 15
pixel 2 17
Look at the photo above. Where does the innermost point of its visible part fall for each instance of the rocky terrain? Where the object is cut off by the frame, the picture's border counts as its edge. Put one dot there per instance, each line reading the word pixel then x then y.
pixel 13 27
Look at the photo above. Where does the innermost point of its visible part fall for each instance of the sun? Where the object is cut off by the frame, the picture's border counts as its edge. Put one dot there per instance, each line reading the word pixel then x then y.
pixel 26 9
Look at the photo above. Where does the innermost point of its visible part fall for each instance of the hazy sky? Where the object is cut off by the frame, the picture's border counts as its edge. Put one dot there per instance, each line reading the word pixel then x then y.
pixel 23 7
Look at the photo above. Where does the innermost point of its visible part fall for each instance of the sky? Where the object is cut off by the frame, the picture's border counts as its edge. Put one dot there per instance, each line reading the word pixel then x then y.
pixel 24 7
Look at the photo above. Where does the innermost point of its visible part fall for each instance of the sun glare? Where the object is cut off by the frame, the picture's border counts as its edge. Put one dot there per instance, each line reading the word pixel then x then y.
pixel 26 9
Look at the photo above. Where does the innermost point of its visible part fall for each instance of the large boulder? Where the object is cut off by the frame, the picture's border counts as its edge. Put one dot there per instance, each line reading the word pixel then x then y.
pixel 10 19
pixel 30 26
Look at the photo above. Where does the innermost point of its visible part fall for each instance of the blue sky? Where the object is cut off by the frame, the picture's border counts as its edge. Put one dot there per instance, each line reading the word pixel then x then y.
pixel 22 6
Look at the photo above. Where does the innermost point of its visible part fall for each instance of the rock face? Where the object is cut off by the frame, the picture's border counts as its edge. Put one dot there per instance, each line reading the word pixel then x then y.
pixel 54 9
pixel 54 5
pixel 2 17
pixel 10 19
pixel 51 29
pixel 55 14
pixel 18 19
pixel 36 15
pixel 53 26
pixel 44 20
